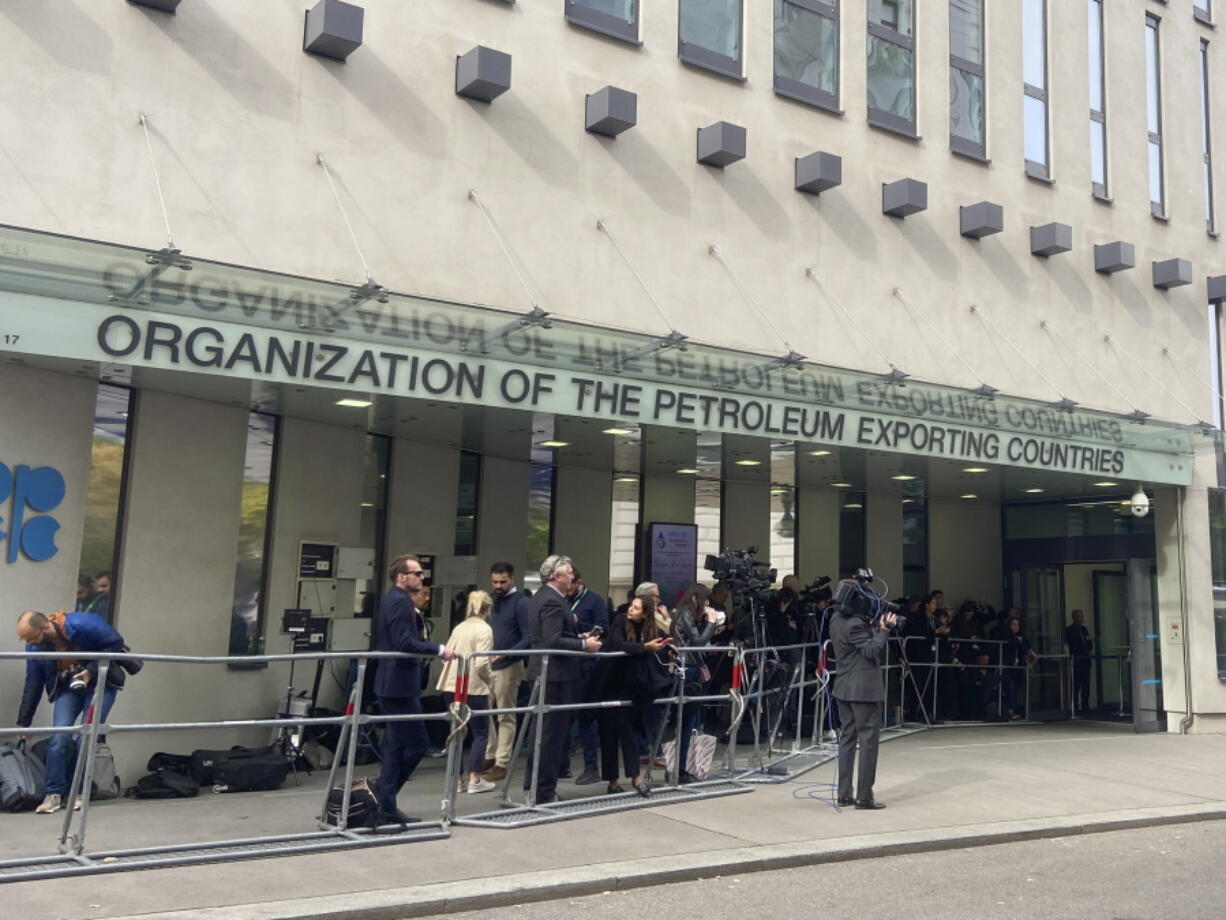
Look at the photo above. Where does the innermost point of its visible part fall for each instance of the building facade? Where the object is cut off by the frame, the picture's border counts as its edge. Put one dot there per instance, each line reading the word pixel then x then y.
pixel 932 287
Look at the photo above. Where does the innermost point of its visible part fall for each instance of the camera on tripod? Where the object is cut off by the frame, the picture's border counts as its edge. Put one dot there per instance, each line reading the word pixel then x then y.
pixel 813 594
pixel 856 597
pixel 745 576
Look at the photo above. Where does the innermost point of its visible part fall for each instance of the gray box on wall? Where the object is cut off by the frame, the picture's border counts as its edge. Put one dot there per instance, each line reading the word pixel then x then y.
pixel 333 29
pixel 904 197
pixel 1171 273
pixel 166 6
pixel 482 74
pixel 1114 257
pixel 1217 288
pixel 818 172
pixel 1051 239
pixel 980 220
pixel 721 144
pixel 611 111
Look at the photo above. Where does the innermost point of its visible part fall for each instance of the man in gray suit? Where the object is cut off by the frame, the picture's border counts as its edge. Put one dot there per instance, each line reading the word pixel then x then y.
pixel 860 694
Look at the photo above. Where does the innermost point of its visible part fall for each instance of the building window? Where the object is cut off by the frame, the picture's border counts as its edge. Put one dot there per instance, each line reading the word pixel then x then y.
pixel 466 504
pixel 250 575
pixel 372 531
pixel 709 35
pixel 1215 364
pixel 853 533
pixel 1037 148
pixel 807 51
pixel 1098 101
pixel 967 109
pixel 891 65
pixel 1203 10
pixel 1153 93
pixel 1217 555
pixel 1206 136
pixel 618 18
pixel 104 502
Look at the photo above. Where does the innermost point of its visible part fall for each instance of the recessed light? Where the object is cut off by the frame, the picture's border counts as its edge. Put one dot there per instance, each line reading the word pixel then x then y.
pixel 969 495
pixel 123 413
pixel 975 469
pixel 819 453
pixel 626 479
pixel 355 403
pixel 841 485
pixel 853 505
pixel 554 444
pixel 903 477
pixel 1033 491
pixel 618 431
pixel 779 491
pixel 908 501
pixel 1105 484
pixel 748 462
pixel 688 471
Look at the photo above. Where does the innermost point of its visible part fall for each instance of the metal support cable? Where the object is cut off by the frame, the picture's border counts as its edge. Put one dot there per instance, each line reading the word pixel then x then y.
pixel 157 181
pixel 1034 367
pixel 506 252
pixel 1046 327
pixel 1111 341
pixel 319 158
pixel 603 227
pixel 955 352
pixel 713 251
pixel 812 276
pixel 1166 353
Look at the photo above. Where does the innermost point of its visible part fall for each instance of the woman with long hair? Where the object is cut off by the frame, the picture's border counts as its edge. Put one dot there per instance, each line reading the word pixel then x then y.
pixel 694 624
pixel 637 678
pixel 472 634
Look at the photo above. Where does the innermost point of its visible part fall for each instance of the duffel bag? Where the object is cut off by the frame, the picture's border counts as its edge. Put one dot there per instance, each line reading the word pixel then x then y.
pixel 249 770
pixel 363 806
pixel 203 764
pixel 164 784
pixel 21 778
pixel 179 763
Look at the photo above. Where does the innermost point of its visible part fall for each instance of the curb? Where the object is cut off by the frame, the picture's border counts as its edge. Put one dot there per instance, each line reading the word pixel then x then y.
pixel 578 881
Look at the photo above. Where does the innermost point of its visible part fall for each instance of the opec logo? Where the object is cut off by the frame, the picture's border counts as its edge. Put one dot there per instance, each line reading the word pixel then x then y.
pixel 22 491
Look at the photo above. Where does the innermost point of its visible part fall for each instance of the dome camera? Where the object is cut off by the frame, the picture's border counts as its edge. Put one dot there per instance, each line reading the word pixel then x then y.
pixel 1139 503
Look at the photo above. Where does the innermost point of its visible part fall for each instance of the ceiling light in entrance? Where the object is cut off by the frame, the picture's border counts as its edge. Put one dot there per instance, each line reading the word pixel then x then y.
pixel 841 485
pixel 903 477
pixel 618 431
pixel 975 469
pixel 1035 491
pixel 688 471
pixel 749 463
pixel 852 505
pixel 1105 484
pixel 355 403
pixel 969 495
pixel 554 444
pixel 626 479
pixel 819 453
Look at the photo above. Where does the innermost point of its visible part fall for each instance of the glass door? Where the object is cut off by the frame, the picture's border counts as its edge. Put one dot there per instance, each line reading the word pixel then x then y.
pixel 1146 656
pixel 1043 606
pixel 1111 677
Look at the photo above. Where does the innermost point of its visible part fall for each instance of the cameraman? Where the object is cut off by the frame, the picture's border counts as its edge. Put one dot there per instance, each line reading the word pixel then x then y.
pixel 70 684
pixel 858 689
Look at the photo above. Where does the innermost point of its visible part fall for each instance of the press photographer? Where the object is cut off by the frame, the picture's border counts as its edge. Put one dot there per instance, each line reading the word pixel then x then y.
pixel 748 582
pixel 859 630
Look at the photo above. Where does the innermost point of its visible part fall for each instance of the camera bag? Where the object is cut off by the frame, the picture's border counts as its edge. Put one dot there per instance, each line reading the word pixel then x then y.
pixel 250 770
pixel 363 806
pixel 21 778
pixel 164 784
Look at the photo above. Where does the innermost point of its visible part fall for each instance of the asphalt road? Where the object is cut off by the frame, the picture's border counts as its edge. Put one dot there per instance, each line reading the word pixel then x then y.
pixel 1176 872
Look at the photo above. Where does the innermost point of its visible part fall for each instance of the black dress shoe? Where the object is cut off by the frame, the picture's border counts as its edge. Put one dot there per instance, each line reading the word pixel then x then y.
pixel 548 799
pixel 846 803
pixel 869 804
pixel 396 816
pixel 643 788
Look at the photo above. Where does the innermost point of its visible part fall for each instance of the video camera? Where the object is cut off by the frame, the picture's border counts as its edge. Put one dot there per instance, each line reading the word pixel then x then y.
pixel 856 597
pixel 747 577
pixel 813 594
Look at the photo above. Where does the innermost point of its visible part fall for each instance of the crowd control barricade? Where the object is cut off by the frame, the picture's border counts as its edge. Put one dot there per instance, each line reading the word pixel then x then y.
pixel 73 858
pixel 931 682
pixel 513 812
pixel 767 707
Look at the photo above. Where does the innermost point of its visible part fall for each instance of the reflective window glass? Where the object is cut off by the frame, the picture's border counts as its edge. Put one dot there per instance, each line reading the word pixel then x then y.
pixel 247 613
pixel 966 105
pixel 891 84
pixel 1098 157
pixel 618 18
pixel 966 30
pixel 96 582
pixel 712 24
pixel 806 46
pixel 1034 44
pixel 1095 54
pixel 1034 123
pixel 893 14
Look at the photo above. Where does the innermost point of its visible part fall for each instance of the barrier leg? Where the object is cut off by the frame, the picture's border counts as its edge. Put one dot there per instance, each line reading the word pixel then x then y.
pixel 521 741
pixel 353 714
pixel 83 775
pixel 538 737
pixel 800 702
pixel 455 745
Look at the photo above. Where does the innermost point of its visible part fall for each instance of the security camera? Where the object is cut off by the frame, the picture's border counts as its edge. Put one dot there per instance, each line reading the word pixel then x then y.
pixel 1139 503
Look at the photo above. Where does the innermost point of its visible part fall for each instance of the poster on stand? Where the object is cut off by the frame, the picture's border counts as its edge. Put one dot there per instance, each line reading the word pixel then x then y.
pixel 672 558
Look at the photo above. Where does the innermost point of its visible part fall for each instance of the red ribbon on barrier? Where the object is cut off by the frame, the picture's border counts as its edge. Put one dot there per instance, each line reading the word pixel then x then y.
pixel 349 708
pixel 461 689
pixel 736 676
pixel 89 714
pixel 822 662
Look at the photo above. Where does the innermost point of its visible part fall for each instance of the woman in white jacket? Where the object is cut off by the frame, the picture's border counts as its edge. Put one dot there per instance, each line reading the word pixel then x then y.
pixel 472 635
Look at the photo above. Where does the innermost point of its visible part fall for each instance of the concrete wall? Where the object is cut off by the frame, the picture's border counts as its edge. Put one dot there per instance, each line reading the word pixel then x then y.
pixel 46 419
pixel 817 531
pixel 964 550
pixel 238 114
pixel 582 526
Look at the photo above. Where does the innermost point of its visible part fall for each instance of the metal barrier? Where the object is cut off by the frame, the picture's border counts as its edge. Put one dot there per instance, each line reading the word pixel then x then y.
pixel 931 670
pixel 512 813
pixel 72 858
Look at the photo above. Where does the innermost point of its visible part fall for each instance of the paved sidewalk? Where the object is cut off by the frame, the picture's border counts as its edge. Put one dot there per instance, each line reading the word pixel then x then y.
pixel 945 788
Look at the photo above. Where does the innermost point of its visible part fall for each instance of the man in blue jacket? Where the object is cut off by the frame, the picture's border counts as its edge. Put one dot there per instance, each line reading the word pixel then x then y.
pixel 70 684
pixel 398 682
pixel 509 621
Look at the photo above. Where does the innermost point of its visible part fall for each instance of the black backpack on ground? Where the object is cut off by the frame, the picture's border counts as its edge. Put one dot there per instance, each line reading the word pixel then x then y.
pixel 179 763
pixel 363 806
pixel 164 784
pixel 21 778
pixel 250 769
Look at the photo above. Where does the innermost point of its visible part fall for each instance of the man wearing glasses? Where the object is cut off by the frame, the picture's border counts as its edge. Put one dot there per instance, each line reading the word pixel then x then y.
pixel 398 682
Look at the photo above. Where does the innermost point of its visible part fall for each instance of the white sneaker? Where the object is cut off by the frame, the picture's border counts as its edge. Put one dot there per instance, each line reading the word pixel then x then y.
pixel 77 805
pixel 50 805
pixel 481 785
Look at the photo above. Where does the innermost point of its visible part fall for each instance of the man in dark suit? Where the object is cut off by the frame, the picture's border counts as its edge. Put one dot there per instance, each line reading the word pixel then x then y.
pixel 860 694
pixel 1080 648
pixel 398 682
pixel 554 626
